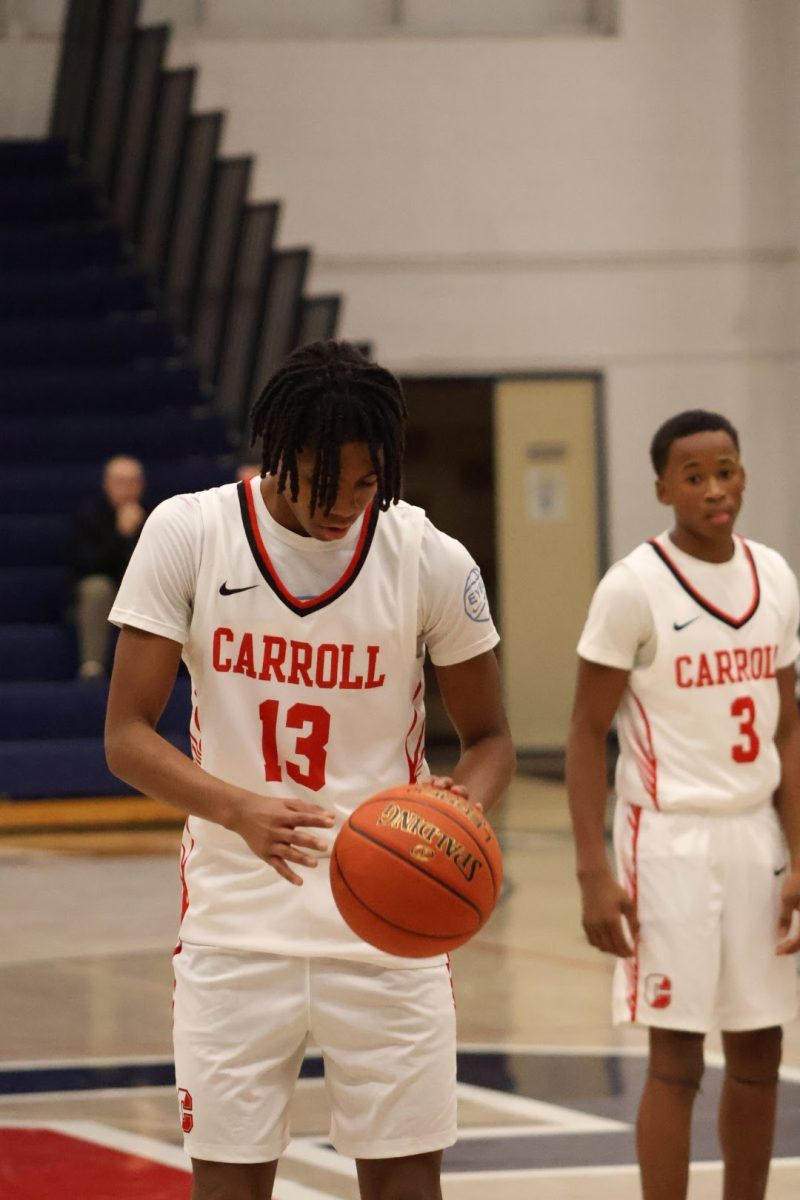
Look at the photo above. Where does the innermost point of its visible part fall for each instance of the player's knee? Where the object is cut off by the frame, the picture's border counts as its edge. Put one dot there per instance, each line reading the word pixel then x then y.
pixel 676 1058
pixel 753 1057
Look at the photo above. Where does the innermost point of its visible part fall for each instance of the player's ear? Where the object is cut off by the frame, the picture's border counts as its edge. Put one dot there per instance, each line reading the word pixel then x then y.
pixel 662 491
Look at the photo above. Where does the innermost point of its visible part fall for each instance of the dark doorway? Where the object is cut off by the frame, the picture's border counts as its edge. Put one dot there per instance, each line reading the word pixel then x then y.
pixel 450 473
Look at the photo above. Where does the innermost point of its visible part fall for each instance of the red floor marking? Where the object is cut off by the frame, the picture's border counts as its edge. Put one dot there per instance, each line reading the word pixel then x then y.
pixel 37 1164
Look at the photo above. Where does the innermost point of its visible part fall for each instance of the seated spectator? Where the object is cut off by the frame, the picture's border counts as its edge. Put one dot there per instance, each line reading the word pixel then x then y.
pixel 107 528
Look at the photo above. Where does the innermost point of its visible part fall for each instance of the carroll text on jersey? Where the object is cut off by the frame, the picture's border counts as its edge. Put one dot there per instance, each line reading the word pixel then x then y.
pixel 328 665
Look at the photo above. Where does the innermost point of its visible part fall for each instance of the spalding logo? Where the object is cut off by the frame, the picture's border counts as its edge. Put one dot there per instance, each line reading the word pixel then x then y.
pixel 423 853
pixel 433 839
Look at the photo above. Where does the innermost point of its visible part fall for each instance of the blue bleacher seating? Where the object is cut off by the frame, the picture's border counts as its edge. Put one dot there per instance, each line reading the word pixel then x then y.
pixel 88 368
pixel 137 387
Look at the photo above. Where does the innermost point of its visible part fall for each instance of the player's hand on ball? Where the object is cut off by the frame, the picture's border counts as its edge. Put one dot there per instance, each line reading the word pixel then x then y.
pixel 278 831
pixel 605 903
pixel 445 783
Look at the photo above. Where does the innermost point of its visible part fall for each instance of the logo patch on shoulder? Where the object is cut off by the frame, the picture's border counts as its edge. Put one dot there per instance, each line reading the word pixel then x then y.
pixel 476 604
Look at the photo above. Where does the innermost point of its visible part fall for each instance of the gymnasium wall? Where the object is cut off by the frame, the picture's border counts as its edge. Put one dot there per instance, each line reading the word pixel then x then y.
pixel 629 204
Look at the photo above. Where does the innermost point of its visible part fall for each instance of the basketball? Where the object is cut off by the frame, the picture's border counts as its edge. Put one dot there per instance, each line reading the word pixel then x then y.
pixel 416 871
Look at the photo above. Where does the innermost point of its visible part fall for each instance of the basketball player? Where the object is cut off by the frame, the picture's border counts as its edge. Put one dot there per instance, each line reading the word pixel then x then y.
pixel 303 602
pixel 691 641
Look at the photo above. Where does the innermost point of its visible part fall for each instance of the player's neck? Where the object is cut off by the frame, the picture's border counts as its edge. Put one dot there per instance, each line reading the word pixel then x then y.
pixel 718 549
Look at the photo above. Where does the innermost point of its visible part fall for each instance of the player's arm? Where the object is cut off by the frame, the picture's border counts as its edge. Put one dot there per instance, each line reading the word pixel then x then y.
pixel 787 739
pixel 472 695
pixel 145 666
pixel 598 693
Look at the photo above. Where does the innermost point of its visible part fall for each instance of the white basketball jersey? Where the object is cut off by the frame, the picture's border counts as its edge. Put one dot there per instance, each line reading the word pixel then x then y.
pixel 319 700
pixel 697 726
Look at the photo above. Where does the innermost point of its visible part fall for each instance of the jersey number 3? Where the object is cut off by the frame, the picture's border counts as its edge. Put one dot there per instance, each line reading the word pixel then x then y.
pixel 311 744
pixel 746 751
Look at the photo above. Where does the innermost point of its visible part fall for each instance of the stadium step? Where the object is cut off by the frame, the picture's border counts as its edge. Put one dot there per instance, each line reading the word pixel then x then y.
pixel 75 767
pixel 79 439
pixel 102 388
pixel 32 490
pixel 84 292
pixel 66 709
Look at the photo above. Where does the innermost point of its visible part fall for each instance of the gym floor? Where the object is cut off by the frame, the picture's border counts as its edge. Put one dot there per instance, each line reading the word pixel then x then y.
pixel 88 909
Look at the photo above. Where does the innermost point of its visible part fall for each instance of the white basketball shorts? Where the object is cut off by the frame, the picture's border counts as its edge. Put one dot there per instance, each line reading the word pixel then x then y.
pixel 241 1025
pixel 707 891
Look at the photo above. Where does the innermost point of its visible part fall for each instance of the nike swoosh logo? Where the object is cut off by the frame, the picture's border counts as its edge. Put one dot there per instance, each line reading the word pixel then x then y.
pixel 780 870
pixel 224 590
pixel 678 627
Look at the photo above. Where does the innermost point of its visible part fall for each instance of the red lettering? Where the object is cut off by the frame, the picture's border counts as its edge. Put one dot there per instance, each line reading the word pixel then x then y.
pixel 272 662
pixel 740 657
pixel 724 666
pixel 704 676
pixel 221 664
pixel 772 657
pixel 302 655
pixel 682 661
pixel 757 662
pixel 347 681
pixel 327 672
pixel 244 663
pixel 373 680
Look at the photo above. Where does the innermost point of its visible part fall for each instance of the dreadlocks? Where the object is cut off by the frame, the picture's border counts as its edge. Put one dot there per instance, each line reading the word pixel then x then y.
pixel 326 394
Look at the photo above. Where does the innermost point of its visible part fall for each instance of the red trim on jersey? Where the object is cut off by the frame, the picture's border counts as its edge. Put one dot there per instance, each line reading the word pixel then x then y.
pixel 414 759
pixel 734 622
pixel 635 824
pixel 645 755
pixel 269 566
pixel 185 852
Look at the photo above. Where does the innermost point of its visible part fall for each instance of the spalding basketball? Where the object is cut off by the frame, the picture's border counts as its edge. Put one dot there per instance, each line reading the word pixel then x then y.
pixel 416 870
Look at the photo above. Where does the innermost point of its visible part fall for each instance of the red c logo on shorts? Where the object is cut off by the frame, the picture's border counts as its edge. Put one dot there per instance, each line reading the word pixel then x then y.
pixel 658 991
pixel 187 1119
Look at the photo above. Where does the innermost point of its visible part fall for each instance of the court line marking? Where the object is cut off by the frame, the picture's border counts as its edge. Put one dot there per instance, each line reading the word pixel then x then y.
pixel 303 1150
pixel 548 1118
pixel 146 1147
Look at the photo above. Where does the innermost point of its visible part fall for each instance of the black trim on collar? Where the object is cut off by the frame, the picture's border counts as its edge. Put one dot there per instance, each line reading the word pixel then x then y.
pixel 734 622
pixel 264 564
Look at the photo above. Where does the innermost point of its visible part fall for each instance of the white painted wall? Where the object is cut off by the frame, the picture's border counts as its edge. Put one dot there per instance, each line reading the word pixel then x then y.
pixel 630 204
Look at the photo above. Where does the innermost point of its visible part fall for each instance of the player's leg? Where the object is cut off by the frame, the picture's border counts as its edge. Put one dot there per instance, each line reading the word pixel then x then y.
pixel 232 1181
pixel 757 996
pixel 747 1110
pixel 235 1071
pixel 415 1177
pixel 669 984
pixel 664 1123
pixel 389 1042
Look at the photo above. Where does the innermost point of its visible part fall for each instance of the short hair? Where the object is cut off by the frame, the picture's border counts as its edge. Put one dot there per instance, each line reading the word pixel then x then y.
pixel 684 424
pixel 326 394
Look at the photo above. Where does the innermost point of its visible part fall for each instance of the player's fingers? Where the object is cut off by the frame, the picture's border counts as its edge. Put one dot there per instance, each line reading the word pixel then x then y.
pixel 281 866
pixel 610 938
pixel 790 938
pixel 629 912
pixel 445 784
pixel 304 841
pixel 310 814
pixel 292 844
